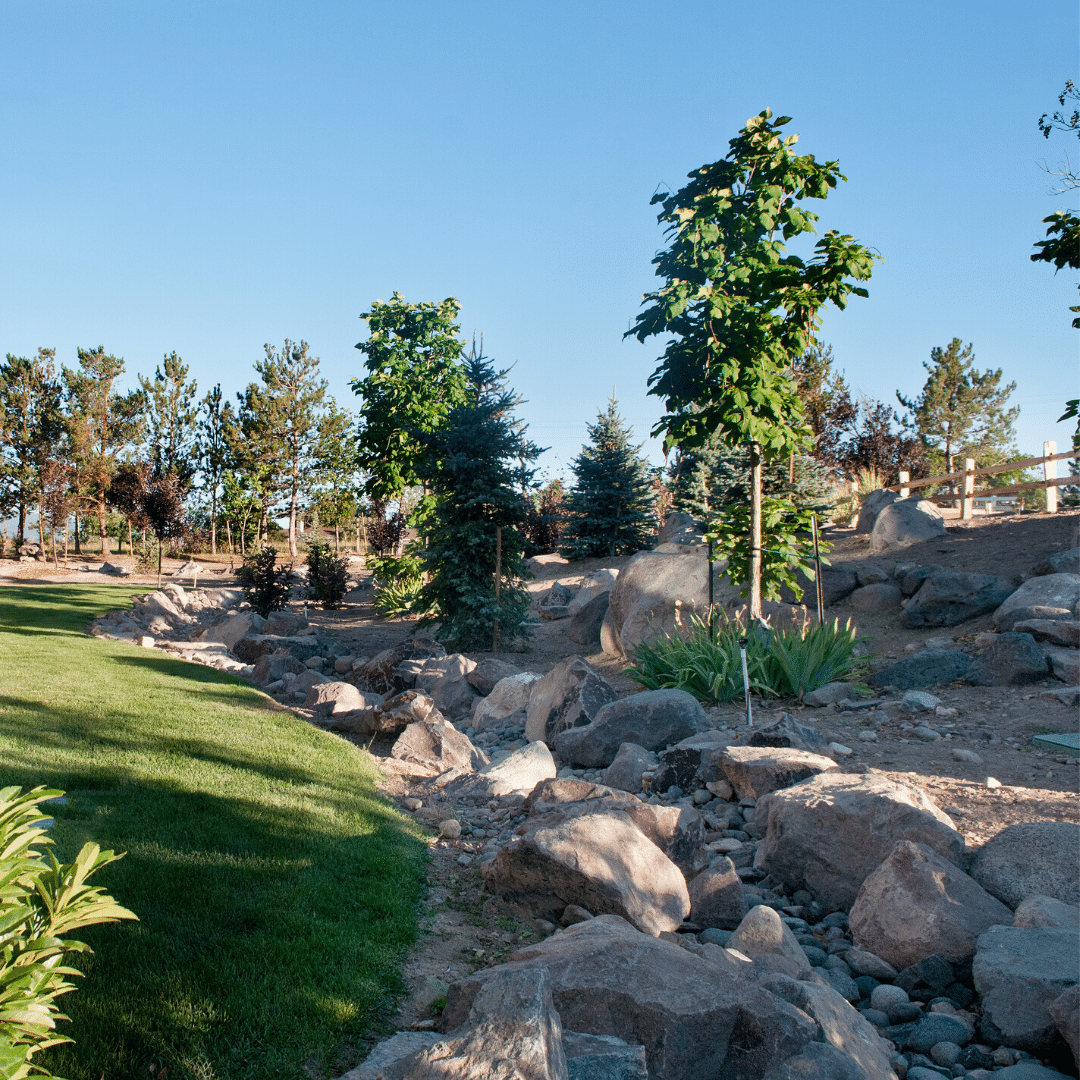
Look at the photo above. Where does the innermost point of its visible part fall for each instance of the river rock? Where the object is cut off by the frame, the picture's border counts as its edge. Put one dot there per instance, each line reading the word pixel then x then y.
pixel 948 598
pixel 829 833
pixel 761 931
pixel 653 719
pixel 1028 859
pixel 916 904
pixel 568 696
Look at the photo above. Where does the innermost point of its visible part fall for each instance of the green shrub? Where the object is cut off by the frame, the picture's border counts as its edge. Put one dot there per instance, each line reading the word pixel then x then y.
pixel 788 662
pixel 398 581
pixel 328 577
pixel 40 902
pixel 265 583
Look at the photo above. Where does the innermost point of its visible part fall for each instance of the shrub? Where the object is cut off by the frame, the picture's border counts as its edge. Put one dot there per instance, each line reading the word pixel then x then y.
pixel 265 583
pixel 328 577
pixel 788 662
pixel 398 581
pixel 40 902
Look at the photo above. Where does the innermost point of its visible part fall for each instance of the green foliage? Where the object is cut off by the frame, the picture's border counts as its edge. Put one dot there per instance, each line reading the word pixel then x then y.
pixel 788 662
pixel 398 581
pixel 786 557
pixel 546 512
pixel 805 659
pixel 415 377
pixel 1061 247
pixel 961 412
pixel 267 585
pixel 170 412
pixel 737 305
pixel 703 663
pixel 328 578
pixel 609 510
pixel 477 467
pixel 40 903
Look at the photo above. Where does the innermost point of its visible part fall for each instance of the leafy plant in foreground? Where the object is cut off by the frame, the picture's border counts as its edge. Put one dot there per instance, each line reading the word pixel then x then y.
pixel 398 581
pixel 267 585
pixel 328 577
pixel 40 902
pixel 803 660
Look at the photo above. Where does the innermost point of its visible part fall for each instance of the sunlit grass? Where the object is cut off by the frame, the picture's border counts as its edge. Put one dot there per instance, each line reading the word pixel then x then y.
pixel 276 891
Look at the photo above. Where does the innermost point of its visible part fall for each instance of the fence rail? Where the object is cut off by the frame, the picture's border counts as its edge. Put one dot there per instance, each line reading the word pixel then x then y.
pixel 1049 483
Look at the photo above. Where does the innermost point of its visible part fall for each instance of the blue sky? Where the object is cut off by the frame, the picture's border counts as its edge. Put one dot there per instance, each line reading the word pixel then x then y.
pixel 207 177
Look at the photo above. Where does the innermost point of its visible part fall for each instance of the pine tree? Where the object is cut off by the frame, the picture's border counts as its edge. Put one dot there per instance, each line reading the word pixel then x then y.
pixel 476 465
pixel 609 509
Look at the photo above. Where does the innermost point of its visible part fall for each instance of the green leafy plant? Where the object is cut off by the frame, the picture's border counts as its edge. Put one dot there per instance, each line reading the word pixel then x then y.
pixel 266 584
pixel 803 660
pixel 40 902
pixel 705 663
pixel 328 577
pixel 398 581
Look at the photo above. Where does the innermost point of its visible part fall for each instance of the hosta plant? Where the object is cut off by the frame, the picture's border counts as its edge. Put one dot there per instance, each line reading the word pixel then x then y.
pixel 41 902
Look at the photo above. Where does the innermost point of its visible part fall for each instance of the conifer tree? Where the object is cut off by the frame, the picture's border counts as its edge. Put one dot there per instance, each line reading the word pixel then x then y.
pixel 476 464
pixel 609 509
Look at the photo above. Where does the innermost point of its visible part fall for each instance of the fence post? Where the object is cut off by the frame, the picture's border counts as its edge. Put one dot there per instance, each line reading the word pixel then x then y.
pixel 969 488
pixel 905 491
pixel 1050 473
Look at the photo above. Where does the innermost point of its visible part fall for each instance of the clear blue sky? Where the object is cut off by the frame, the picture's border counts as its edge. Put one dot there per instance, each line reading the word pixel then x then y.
pixel 207 177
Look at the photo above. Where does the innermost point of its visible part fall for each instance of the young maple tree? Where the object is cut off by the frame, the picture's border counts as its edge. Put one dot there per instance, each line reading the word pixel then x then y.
pixel 739 307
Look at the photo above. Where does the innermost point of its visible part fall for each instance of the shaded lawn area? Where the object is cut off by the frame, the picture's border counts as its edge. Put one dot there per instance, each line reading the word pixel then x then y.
pixel 276 892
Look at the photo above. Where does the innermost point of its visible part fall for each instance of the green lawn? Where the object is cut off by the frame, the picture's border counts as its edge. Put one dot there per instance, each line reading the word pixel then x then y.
pixel 277 893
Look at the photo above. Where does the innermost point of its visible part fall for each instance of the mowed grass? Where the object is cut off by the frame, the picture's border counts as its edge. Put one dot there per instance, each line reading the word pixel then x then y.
pixel 276 892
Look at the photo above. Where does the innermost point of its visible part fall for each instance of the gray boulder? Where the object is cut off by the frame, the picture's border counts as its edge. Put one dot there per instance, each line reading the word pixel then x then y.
pixel 822 1061
pixel 568 696
pixel 917 904
pixel 506 697
pixel 827 694
pixel 603 1057
pixel 1065 1012
pixel 882 599
pixel 586 621
pixel 930 667
pixel 754 771
pixel 653 719
pixel 1065 663
pixel 691 763
pixel 517 773
pixel 389 1052
pixel 948 598
pixel 435 746
pixel 786 731
pixel 829 833
pixel 717 897
pixel 837 582
pixel 1038 911
pixel 488 673
pixel 1019 974
pixel 625 771
pixel 1064 562
pixel 904 523
pixel 696 1016
pixel 273 666
pixel 250 648
pixel 1053 596
pixel 602 862
pixel 762 932
pixel 1063 632
pixel 236 627
pixel 379 673
pixel 1010 660
pixel 598 583
pixel 910 578
pixel 334 698
pixel 872 505
pixel 680 528
pixel 1032 858
pixel 284 624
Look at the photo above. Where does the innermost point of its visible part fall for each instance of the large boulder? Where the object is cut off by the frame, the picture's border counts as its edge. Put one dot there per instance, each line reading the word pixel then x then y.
pixel 917 904
pixel 334 698
pixel 395 714
pixel 655 592
pixel 570 695
pixel 837 582
pixel 754 771
pixel 696 1016
pixel 716 896
pixel 831 832
pixel 507 696
pixel 488 673
pixel 1010 660
pixel 930 667
pixel 881 598
pixel 1052 596
pixel 680 528
pixel 601 862
pixel 250 648
pixel 691 763
pixel 653 719
pixel 444 678
pixel 904 523
pixel 1032 858
pixel 1064 562
pixel 236 627
pixel 435 746
pixel 872 505
pixel 586 622
pixel 625 771
pixel 1038 911
pixel 516 774
pixel 511 1032
pixel 273 666
pixel 598 583
pixel 1065 1012
pixel 378 673
pixel 948 598
pixel 1019 974
pixel 761 932
pixel 284 624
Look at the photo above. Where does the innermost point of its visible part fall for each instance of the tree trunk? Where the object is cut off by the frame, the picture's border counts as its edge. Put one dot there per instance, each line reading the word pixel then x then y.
pixel 41 526
pixel 131 545
pixel 159 563
pixel 65 543
pixel 20 537
pixel 213 520
pixel 78 549
pixel 101 526
pixel 755 530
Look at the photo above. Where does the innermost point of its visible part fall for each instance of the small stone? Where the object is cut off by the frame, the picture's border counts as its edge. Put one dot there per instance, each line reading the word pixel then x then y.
pixel 450 829
pixel 413 804
pixel 840 749
pixel 1003 1056
pixel 885 996
pixel 721 789
pixel 903 1012
pixel 867 736
pixel 314 662
pixel 918 701
pixel 946 712
pixel 343 664
pixel 464 860
pixel 946 1054
pixel 574 913
pixel 993 782
pixel 863 962
pixel 701 796
pixel 960 754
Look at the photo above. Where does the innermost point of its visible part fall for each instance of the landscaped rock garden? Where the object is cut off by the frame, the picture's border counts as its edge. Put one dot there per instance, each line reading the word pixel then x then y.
pixel 693 897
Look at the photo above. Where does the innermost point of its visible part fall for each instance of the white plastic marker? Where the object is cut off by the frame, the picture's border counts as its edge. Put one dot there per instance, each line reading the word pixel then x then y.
pixel 746 683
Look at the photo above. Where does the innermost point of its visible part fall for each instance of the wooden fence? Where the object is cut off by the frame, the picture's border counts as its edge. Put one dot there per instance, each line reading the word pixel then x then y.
pixel 1050 481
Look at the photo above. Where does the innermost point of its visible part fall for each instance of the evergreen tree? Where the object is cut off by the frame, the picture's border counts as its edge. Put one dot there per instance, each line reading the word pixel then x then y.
pixel 962 412
pixel 171 411
pixel 476 465
pixel 609 509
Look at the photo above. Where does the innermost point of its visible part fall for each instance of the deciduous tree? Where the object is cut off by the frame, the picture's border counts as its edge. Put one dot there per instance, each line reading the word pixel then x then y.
pixel 739 307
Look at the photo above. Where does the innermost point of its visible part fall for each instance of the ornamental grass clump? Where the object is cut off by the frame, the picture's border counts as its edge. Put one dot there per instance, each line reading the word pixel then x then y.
pixel 40 902
pixel 706 662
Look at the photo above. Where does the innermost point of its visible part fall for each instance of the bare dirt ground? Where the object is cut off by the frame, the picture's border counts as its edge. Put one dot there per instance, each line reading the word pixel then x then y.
pixel 462 930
